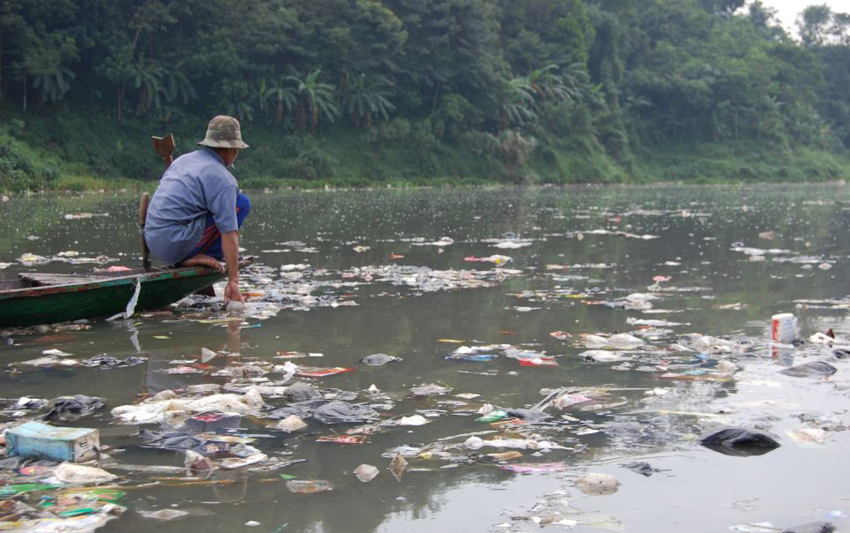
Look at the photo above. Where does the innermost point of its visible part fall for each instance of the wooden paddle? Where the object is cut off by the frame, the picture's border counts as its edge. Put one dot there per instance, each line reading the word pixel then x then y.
pixel 164 146
pixel 143 213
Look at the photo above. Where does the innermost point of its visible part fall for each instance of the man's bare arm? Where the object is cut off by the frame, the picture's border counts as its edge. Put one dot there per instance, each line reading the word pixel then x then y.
pixel 230 247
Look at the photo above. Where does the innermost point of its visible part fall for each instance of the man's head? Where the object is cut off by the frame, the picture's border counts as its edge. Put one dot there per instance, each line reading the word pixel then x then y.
pixel 227 155
pixel 224 135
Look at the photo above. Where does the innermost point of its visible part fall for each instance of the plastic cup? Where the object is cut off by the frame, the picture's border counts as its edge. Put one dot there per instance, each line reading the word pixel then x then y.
pixel 784 326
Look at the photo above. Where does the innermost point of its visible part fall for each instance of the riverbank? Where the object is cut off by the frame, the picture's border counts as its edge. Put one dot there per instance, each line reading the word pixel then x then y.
pixel 69 152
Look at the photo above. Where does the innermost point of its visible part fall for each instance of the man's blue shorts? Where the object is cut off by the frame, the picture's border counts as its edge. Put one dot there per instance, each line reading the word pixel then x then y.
pixel 211 241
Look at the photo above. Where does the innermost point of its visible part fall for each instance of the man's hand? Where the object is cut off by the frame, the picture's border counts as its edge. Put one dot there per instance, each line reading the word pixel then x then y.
pixel 231 292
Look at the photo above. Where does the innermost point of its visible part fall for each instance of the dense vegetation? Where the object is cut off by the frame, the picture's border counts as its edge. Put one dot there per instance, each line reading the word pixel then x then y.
pixel 362 91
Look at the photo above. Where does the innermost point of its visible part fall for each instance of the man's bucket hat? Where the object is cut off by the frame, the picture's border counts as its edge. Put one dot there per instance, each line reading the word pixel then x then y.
pixel 224 132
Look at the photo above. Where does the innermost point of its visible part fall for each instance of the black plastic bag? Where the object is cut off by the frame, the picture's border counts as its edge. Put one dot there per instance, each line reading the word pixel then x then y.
pixel 739 442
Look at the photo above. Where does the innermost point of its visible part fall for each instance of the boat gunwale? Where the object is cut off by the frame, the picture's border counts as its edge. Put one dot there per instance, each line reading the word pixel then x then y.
pixel 109 281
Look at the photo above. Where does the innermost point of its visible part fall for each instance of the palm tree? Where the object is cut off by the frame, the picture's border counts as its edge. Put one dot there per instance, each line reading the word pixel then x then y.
pixel 575 76
pixel 548 85
pixel 525 94
pixel 147 77
pixel 519 106
pixel 315 99
pixel 54 83
pixel 366 97
pixel 178 85
pixel 283 95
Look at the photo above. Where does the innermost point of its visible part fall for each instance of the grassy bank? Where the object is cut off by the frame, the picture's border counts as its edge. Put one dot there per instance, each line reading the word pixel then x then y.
pixel 75 152
pixel 743 162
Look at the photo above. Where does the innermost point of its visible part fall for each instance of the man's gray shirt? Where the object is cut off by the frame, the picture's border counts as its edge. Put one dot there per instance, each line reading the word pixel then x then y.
pixel 196 184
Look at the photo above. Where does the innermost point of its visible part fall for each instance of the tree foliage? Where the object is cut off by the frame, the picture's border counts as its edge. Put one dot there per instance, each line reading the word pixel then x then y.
pixel 620 74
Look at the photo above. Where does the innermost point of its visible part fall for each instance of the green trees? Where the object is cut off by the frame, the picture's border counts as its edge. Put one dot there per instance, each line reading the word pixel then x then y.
pixel 617 76
pixel 451 48
pixel 36 36
pixel 813 24
pixel 819 25
pixel 128 60
pixel 239 100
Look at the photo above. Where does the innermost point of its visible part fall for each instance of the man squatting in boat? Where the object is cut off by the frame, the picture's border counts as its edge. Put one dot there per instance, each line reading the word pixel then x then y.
pixel 196 212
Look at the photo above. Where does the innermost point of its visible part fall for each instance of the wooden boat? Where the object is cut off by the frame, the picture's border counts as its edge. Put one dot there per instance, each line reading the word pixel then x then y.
pixel 34 299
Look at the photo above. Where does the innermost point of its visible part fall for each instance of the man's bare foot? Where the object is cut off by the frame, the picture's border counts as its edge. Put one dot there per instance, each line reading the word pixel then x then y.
pixel 204 261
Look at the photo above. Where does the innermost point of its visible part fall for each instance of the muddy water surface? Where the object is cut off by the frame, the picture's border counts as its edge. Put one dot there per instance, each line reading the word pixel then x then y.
pixel 693 273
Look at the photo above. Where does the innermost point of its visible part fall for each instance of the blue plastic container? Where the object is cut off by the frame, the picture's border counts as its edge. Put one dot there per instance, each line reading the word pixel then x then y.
pixel 41 441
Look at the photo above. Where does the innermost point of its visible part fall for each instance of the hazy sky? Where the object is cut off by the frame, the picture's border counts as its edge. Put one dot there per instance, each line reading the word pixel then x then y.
pixel 789 9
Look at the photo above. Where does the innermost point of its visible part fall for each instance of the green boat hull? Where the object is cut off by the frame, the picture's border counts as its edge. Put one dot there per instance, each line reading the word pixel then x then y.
pixel 105 297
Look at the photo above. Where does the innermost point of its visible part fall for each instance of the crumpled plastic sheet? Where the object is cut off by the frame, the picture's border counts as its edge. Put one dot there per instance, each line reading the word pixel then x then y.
pixel 300 392
pixel 339 412
pixel 73 408
pixel 107 362
pixel 180 441
pixel 167 406
pixel 379 359
pixel 812 368
pixel 24 403
pixel 302 410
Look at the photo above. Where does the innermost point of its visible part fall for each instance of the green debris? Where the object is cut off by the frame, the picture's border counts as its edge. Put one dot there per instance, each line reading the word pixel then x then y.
pixel 11 490
pixel 492 416
pixel 76 512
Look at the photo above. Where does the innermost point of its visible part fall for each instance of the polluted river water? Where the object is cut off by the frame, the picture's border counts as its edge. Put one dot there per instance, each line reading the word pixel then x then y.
pixel 532 337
